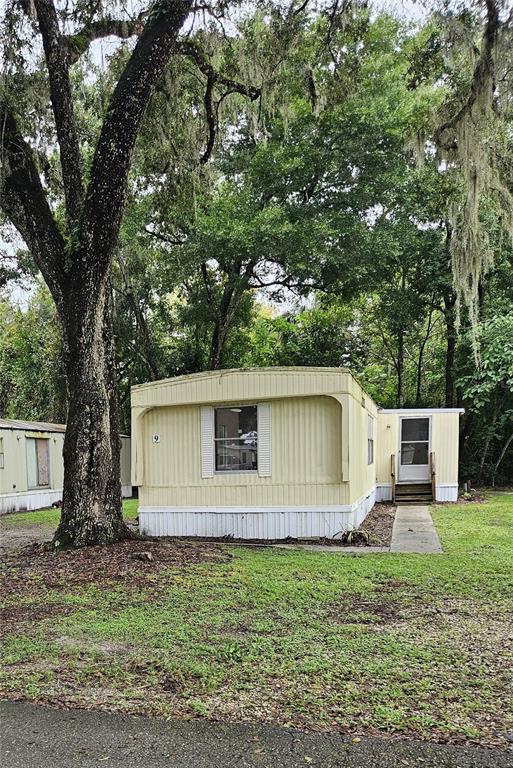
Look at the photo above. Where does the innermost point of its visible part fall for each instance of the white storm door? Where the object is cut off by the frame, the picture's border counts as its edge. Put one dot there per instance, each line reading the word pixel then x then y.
pixel 414 450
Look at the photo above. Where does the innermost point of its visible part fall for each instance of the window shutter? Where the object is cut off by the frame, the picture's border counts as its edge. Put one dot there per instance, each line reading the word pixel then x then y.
pixel 207 441
pixel 264 439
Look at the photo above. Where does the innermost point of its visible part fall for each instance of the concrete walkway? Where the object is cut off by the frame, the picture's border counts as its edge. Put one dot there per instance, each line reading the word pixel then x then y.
pixel 40 737
pixel 414 531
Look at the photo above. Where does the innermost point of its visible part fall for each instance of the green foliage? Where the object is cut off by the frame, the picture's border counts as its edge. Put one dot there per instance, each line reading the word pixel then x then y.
pixel 31 378
pixel 325 192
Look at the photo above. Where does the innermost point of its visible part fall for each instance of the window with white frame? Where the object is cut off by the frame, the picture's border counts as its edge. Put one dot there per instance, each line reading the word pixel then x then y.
pixel 370 440
pixel 2 463
pixel 236 439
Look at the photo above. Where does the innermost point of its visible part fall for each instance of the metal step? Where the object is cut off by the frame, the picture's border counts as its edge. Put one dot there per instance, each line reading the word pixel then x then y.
pixel 413 493
pixel 413 502
pixel 413 487
pixel 410 499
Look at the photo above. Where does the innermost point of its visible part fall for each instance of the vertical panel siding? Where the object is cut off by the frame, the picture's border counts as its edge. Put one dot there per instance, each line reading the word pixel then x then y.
pixel 387 444
pixel 362 474
pixel 234 385
pixel 444 443
pixel 13 477
pixel 306 459
pixel 307 440
pixel 126 451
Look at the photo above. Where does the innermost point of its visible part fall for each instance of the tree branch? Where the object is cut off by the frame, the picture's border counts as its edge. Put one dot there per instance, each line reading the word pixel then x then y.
pixel 190 49
pixel 106 193
pixel 57 62
pixel 78 43
pixel 163 238
pixel 482 71
pixel 210 114
pixel 24 201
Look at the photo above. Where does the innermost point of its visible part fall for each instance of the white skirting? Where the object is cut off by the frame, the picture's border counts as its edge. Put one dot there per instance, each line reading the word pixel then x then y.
pixel 26 500
pixel 39 499
pixel 254 522
pixel 446 491
pixel 384 492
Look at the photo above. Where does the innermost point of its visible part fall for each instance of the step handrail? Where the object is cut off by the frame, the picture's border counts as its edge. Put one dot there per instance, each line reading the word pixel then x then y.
pixel 432 463
pixel 392 475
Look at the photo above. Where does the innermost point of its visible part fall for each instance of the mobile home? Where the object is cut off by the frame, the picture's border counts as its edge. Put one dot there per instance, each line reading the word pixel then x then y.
pixel 275 452
pixel 31 464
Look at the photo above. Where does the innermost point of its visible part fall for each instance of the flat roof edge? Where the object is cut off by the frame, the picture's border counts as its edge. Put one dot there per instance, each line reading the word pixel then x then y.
pixel 226 371
pixel 421 410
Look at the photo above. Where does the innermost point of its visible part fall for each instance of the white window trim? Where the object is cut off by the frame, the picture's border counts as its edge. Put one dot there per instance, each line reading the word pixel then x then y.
pixel 208 439
pixel 218 439
pixel 370 439
pixel 48 486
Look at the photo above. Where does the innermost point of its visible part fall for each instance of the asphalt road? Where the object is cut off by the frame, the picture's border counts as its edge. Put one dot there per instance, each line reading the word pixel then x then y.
pixel 40 737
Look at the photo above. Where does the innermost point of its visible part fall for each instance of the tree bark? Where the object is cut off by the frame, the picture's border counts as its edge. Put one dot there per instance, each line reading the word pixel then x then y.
pixel 450 350
pixel 91 503
pixel 219 335
pixel 76 268
pixel 400 368
pixel 421 359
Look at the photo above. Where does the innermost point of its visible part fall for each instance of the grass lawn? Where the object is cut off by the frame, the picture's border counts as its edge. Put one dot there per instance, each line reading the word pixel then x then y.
pixel 52 516
pixel 398 644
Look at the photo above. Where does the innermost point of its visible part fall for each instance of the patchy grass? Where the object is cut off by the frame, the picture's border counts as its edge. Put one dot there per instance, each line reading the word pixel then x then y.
pixel 52 516
pixel 399 644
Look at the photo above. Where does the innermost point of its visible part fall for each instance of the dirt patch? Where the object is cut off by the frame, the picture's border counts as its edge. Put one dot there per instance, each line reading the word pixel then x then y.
pixel 380 606
pixel 13 616
pixel 36 569
pixel 14 537
pixel 350 609
pixel 378 525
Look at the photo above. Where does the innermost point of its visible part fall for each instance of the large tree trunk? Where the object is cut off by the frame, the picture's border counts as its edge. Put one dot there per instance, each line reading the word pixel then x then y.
pixel 400 368
pixel 450 350
pixel 230 302
pixel 421 359
pixel 219 335
pixel 91 504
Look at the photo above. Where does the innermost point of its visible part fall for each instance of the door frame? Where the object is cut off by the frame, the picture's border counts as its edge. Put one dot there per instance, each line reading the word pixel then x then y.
pixel 419 480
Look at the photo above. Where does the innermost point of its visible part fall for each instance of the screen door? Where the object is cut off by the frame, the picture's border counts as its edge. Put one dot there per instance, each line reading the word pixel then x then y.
pixel 414 450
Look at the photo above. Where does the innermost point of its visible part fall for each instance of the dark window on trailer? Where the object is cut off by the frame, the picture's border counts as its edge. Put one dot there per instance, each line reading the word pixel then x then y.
pixel 236 439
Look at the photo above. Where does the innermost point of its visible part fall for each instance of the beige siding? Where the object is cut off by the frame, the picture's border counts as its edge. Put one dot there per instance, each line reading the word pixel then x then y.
pixel 125 461
pixel 361 473
pixel 306 459
pixel 319 440
pixel 242 385
pixel 444 443
pixel 13 477
pixel 387 444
